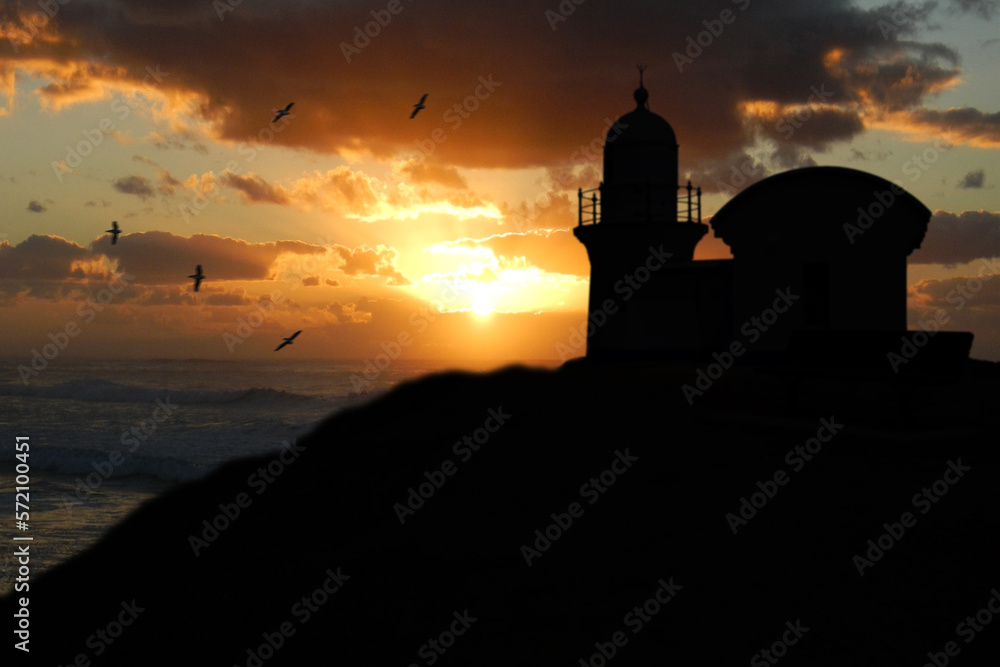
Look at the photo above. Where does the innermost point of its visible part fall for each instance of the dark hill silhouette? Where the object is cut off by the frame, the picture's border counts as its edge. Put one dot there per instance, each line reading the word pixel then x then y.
pixel 661 524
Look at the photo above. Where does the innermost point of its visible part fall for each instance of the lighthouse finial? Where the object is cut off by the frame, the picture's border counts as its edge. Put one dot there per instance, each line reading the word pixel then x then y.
pixel 641 96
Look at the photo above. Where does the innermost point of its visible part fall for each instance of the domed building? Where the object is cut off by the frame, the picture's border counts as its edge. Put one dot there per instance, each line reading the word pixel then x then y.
pixel 818 268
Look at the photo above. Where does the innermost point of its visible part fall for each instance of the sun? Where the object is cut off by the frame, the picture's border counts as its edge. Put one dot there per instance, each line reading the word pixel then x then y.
pixel 481 306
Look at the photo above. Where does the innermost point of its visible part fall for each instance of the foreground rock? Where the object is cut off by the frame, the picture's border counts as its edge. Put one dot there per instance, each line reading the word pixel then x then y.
pixel 587 516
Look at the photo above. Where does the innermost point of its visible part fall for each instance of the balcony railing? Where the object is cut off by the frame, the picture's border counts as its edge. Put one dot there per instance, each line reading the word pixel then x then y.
pixel 688 204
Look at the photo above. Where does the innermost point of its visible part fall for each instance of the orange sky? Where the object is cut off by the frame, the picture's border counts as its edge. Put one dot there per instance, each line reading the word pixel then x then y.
pixel 357 224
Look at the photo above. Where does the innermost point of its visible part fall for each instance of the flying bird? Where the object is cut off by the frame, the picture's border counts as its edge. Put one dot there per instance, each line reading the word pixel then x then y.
pixel 198 277
pixel 288 341
pixel 282 112
pixel 418 106
pixel 114 231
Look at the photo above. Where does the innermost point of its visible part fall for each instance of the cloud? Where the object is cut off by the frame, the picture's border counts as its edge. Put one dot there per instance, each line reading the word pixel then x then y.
pixel 984 8
pixel 310 281
pixel 956 239
pixel 168 184
pixel 47 267
pixel 36 206
pixel 974 179
pixel 421 171
pixel 254 188
pixel 134 185
pixel 553 251
pixel 348 313
pixel 377 261
pixel 958 125
pixel 964 303
pixel 491 111
pixel 161 258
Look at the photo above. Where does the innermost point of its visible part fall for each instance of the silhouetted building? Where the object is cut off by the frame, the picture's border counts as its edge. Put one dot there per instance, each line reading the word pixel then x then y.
pixel 819 255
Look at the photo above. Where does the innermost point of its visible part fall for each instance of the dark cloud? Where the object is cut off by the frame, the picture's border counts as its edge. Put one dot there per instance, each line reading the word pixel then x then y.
pixel 161 258
pixel 41 258
pixel 310 281
pixel 254 188
pixel 984 8
pixel 332 283
pixel 974 179
pixel 47 267
pixel 964 123
pixel 955 239
pixel 421 171
pixel 36 207
pixel 168 184
pixel 494 106
pixel 349 313
pixel 134 185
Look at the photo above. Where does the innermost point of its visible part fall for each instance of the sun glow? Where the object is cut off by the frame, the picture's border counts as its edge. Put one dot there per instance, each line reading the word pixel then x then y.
pixel 482 306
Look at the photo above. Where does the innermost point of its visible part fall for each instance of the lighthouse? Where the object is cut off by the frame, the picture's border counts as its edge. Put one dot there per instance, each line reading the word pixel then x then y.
pixel 640 228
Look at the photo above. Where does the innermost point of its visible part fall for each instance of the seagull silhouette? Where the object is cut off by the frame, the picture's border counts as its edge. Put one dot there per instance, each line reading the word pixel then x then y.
pixel 282 112
pixel 288 341
pixel 198 277
pixel 114 231
pixel 419 105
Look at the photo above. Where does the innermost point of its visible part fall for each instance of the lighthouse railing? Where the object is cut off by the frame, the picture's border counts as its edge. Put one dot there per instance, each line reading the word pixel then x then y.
pixel 688 204
pixel 588 206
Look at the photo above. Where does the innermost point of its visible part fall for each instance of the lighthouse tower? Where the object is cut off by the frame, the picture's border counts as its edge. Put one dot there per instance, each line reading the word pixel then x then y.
pixel 640 228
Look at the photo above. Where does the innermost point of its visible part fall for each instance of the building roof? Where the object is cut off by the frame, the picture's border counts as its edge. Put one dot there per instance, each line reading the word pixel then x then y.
pixel 641 124
pixel 824 205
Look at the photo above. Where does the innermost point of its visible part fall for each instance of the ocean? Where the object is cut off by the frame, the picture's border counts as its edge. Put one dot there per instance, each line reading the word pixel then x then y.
pixel 105 436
